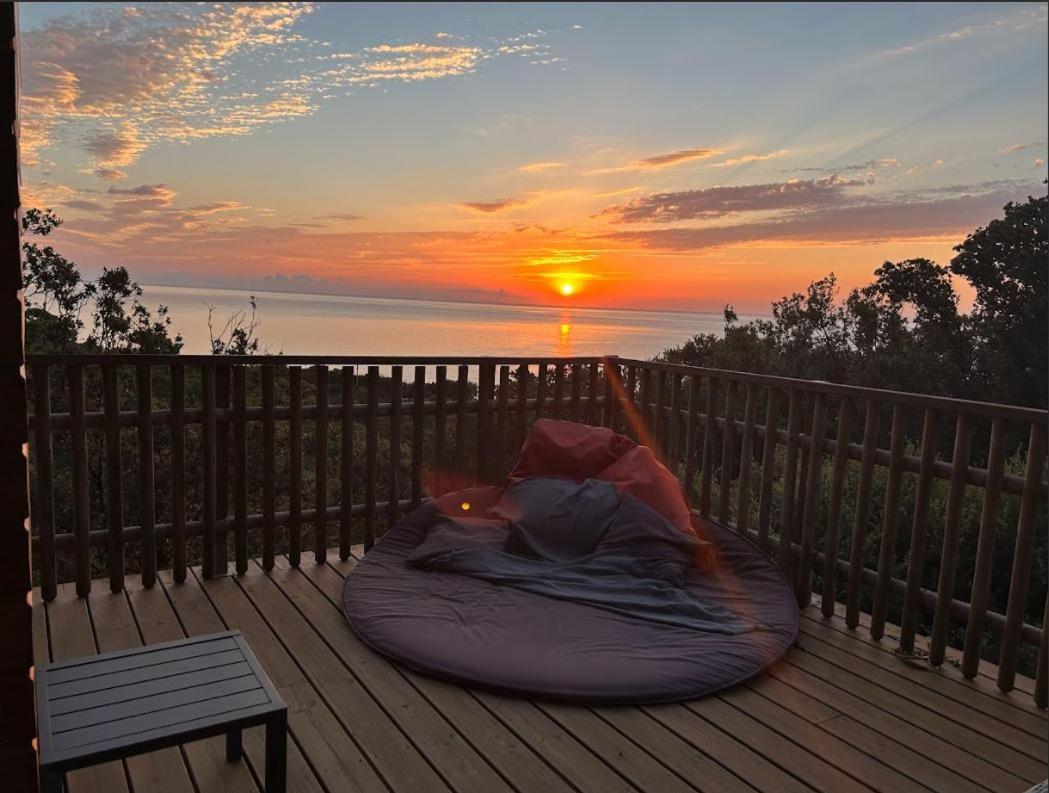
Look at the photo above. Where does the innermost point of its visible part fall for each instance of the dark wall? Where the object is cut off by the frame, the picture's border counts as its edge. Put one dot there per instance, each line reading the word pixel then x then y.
pixel 17 722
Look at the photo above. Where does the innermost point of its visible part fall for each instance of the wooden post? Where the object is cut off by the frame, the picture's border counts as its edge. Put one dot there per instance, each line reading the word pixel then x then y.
pixel 694 384
pixel 591 396
pixel 728 452
pixel 790 472
pixel 1041 688
pixel 222 401
pixel 746 458
pixel 817 434
pixel 295 465
pixel 485 387
pixel 269 496
pixel 613 393
pixel 632 418
pixel 887 551
pixel 460 421
pixel 521 417
pixel 863 503
pixel 540 393
pixel 502 418
pixel 916 554
pixel 392 503
pixel 707 466
pixel 1023 557
pixel 177 374
pixel 146 504
pixel 832 540
pixel 559 387
pixel 81 495
pixel 240 469
pixel 768 468
pixel 114 486
pixel 659 415
pixel 371 452
pixel 207 387
pixel 674 426
pixel 418 434
pixel 576 374
pixel 440 431
pixel 320 464
pixel 45 480
pixel 963 435
pixel 346 465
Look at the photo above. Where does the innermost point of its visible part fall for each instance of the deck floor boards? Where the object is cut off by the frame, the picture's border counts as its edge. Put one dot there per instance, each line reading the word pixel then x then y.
pixel 840 713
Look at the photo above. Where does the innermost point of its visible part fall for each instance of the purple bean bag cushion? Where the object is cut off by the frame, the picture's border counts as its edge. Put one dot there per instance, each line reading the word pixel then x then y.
pixel 478 633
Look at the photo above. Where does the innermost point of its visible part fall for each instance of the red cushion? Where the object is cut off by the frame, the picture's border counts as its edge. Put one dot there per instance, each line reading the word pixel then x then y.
pixel 569 449
pixel 639 472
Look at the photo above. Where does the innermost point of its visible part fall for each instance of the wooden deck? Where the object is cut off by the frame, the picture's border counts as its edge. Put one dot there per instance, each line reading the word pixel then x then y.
pixel 839 713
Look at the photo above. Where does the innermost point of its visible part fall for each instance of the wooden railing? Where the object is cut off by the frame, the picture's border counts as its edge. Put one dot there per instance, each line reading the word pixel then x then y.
pixel 256 456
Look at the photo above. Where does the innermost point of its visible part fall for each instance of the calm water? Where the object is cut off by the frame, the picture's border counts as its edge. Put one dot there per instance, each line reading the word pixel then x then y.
pixel 340 325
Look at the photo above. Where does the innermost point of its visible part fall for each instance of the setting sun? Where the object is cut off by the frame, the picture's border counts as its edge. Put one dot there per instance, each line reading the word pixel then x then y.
pixel 567 290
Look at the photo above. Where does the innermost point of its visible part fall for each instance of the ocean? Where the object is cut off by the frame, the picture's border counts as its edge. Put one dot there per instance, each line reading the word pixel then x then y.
pixel 307 324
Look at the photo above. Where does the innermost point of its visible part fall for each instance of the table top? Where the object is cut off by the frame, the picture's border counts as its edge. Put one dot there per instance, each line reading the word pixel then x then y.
pixel 117 703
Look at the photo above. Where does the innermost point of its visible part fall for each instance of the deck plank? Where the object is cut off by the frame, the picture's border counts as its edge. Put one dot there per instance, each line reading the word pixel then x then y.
pixel 207 758
pixel 897 727
pixel 840 712
pixel 164 770
pixel 921 714
pixel 198 617
pixel 510 756
pixel 71 636
pixel 450 755
pixel 824 644
pixel 892 754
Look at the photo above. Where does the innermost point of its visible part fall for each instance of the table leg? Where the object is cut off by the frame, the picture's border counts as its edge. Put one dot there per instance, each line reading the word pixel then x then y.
pixel 277 753
pixel 234 748
pixel 50 782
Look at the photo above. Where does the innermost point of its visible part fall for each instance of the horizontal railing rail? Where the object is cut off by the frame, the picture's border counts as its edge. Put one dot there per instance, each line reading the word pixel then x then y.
pixel 903 505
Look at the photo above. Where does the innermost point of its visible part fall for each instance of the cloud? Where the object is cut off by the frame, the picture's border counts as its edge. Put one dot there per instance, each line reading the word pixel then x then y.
pixel 119 80
pixel 674 158
pixel 1018 147
pixel 1017 22
pixel 540 167
pixel 717 202
pixel 346 217
pixel 750 158
pixel 496 205
pixel 903 217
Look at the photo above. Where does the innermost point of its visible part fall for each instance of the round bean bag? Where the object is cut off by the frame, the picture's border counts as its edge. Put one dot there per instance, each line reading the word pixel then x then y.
pixel 477 633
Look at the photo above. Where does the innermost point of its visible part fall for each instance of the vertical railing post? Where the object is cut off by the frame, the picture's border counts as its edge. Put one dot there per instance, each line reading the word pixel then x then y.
pixel 502 419
pixel 521 417
pixel 269 495
pixel 393 502
pixel 591 396
pixel 858 548
pixel 222 401
pixel 963 434
pixel 1023 557
pixel 576 373
pixel 240 469
pixel 694 383
pixel 81 494
pixel 371 453
pixel 613 393
pixel 418 433
pixel 887 550
pixel 540 392
pixel 707 466
pixel 346 464
pixel 674 425
pixel 916 553
pixel 440 432
pixel 460 421
pixel 485 387
pixel 728 452
pixel 746 458
pixel 179 549
pixel 295 465
pixel 320 465
pixel 790 472
pixel 817 433
pixel 146 503
pixel 45 482
pixel 559 388
pixel 210 541
pixel 114 486
pixel 768 468
pixel 832 540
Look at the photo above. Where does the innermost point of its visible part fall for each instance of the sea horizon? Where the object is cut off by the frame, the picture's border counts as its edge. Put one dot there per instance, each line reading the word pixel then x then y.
pixel 330 324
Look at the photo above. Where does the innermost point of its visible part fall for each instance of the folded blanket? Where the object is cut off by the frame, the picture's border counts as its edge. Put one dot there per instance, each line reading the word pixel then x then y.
pixel 637 569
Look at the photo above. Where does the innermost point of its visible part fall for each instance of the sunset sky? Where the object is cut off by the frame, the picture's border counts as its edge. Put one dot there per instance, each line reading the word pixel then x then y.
pixel 676 156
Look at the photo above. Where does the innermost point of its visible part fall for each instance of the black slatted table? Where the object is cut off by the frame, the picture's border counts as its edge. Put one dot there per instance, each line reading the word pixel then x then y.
pixel 106 707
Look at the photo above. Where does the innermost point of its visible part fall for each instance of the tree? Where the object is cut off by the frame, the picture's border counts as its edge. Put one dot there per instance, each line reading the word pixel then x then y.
pixel 56 295
pixel 1006 264
pixel 237 336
